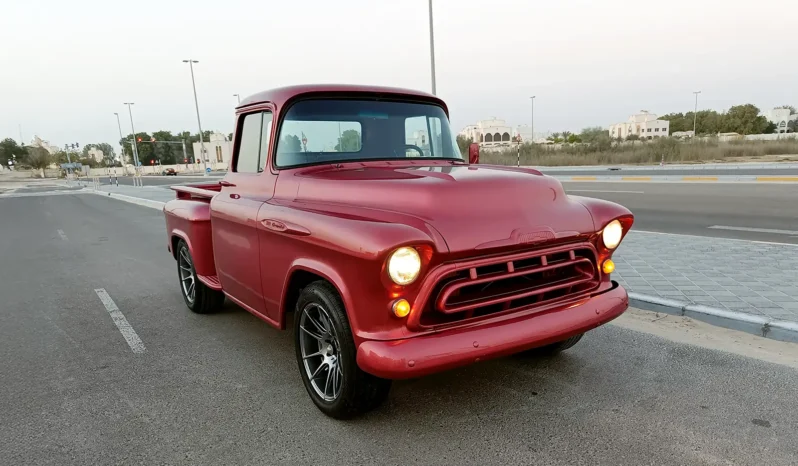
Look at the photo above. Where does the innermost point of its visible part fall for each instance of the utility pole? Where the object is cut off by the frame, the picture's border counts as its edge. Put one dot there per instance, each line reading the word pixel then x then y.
pixel 532 127
pixel 199 123
pixel 695 112
pixel 133 145
pixel 432 48
pixel 237 97
pixel 121 146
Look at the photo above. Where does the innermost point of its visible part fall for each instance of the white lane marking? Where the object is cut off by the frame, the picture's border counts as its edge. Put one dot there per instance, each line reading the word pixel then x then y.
pixel 718 238
pixel 63 235
pixel 122 324
pixel 602 191
pixel 755 230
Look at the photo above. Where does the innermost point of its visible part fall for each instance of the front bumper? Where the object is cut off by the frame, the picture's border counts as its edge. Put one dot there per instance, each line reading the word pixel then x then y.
pixel 427 354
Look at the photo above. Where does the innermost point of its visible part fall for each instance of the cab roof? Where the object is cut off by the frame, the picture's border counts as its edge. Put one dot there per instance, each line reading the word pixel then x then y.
pixel 279 96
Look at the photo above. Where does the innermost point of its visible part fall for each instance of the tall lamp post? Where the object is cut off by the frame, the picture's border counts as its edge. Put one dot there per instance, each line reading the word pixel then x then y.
pixel 133 136
pixel 532 126
pixel 121 146
pixel 695 112
pixel 199 123
pixel 237 97
pixel 432 47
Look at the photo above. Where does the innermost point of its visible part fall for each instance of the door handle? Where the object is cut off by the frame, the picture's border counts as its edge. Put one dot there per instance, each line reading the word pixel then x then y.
pixel 227 184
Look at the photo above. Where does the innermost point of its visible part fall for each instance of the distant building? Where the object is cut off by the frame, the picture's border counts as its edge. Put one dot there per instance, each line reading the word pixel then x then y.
pixel 683 134
pixel 39 142
pixel 784 119
pixel 645 125
pixel 493 132
pixel 96 154
pixel 218 149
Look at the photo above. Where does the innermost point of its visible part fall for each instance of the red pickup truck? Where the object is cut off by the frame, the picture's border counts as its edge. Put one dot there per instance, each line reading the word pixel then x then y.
pixel 350 211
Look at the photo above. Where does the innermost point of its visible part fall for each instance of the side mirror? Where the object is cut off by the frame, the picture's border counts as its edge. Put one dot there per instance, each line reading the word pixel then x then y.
pixel 473 153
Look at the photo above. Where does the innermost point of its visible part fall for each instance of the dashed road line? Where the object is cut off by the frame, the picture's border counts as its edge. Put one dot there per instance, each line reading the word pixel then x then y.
pixel 755 230
pixel 121 322
pixel 602 191
pixel 63 235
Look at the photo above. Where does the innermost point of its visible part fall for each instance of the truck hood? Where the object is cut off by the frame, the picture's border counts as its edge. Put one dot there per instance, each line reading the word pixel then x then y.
pixel 473 207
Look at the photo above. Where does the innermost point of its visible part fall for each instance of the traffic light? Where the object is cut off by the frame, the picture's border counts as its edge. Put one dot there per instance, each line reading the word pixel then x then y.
pixel 138 139
pixel 185 160
pixel 152 162
pixel 152 139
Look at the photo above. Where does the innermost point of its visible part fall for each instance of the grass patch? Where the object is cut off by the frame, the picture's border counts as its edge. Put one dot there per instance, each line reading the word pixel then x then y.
pixel 646 153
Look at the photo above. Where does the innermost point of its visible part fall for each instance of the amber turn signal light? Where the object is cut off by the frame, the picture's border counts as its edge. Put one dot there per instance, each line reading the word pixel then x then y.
pixel 401 308
pixel 608 266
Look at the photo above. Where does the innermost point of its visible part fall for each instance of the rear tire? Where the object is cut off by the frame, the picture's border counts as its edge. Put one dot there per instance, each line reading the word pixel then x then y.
pixel 554 348
pixel 197 296
pixel 326 356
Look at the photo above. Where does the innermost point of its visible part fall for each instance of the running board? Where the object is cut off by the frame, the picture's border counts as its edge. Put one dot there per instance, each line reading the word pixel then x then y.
pixel 211 281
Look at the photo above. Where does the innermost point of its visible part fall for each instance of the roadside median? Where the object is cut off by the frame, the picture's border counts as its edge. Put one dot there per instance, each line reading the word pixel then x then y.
pixel 681 178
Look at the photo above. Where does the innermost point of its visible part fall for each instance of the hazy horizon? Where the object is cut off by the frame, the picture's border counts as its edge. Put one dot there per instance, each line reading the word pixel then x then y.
pixel 71 65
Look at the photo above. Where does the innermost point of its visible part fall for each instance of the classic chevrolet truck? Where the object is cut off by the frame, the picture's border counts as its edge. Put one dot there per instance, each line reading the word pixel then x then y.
pixel 350 212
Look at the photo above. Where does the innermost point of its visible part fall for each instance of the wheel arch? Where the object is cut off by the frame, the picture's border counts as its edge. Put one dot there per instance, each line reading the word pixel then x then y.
pixel 304 272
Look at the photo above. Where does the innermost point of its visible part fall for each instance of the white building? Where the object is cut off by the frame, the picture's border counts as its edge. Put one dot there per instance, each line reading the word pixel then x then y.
pixel 644 124
pixel 39 142
pixel 96 154
pixel 784 119
pixel 493 132
pixel 218 150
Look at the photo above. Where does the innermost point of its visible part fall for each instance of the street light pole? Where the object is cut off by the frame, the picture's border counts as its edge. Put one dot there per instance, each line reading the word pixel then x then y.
pixel 432 47
pixel 237 97
pixel 133 141
pixel 695 112
pixel 121 146
pixel 199 123
pixel 532 127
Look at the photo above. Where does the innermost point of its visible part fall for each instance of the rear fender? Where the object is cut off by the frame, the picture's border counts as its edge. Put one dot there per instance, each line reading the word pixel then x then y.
pixel 190 221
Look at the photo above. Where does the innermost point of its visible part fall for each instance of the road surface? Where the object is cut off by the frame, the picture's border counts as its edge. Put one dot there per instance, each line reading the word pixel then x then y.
pixel 224 388
pixel 165 180
pixel 762 212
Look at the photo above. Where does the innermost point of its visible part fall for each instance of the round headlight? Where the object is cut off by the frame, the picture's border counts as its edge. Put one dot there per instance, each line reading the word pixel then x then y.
pixel 612 234
pixel 404 265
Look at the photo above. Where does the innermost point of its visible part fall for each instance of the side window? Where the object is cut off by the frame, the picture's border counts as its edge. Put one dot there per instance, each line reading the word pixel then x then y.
pixel 265 138
pixel 249 144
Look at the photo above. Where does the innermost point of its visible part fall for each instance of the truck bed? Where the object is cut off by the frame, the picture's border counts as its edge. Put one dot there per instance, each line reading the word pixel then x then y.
pixel 199 192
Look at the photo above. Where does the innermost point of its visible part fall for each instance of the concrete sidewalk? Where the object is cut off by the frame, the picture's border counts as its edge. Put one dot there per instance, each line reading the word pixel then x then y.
pixel 745 281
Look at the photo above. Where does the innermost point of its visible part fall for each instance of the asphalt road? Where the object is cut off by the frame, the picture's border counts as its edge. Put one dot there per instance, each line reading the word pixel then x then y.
pixel 741 210
pixel 224 388
pixel 672 171
pixel 164 180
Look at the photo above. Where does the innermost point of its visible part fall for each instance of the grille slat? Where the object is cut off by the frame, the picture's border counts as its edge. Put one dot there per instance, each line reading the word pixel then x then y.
pixel 512 283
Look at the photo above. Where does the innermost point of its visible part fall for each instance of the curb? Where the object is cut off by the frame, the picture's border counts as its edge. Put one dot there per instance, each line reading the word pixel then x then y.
pixel 781 330
pixel 132 200
pixel 673 166
pixel 681 178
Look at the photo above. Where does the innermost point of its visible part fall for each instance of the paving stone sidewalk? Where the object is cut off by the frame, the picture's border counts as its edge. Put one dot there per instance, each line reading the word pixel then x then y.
pixel 743 276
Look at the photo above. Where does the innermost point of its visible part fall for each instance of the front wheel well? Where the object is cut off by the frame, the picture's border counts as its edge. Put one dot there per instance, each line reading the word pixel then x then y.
pixel 296 283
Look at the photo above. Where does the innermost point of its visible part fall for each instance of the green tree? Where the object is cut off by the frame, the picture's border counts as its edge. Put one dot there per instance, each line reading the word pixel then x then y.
pixel 633 137
pixel 349 141
pixel 573 138
pixel 37 158
pixel 744 119
pixel 593 134
pixel 291 143
pixel 463 144
pixel 10 149
pixel 788 107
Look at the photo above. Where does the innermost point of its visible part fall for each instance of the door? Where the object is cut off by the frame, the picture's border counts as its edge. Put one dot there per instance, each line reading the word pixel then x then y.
pixel 234 213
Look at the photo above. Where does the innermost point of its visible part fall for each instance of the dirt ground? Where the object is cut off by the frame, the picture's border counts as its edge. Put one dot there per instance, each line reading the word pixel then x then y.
pixel 693 332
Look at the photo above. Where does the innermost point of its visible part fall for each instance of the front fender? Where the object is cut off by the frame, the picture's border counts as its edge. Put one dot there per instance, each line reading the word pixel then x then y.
pixel 603 212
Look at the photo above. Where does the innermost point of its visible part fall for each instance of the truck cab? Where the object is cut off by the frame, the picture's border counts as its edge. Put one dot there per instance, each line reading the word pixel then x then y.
pixel 351 213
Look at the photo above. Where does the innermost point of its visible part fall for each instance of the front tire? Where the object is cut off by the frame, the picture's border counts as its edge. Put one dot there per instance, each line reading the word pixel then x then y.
pixel 198 297
pixel 554 348
pixel 326 355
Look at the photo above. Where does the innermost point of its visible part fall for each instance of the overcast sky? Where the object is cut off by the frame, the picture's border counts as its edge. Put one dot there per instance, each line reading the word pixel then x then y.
pixel 67 66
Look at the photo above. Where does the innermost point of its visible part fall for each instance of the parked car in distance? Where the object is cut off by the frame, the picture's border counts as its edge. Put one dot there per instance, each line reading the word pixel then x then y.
pixel 350 212
pixel 169 172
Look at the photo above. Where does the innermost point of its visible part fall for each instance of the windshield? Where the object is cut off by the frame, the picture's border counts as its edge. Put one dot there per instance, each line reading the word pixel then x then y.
pixel 339 130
